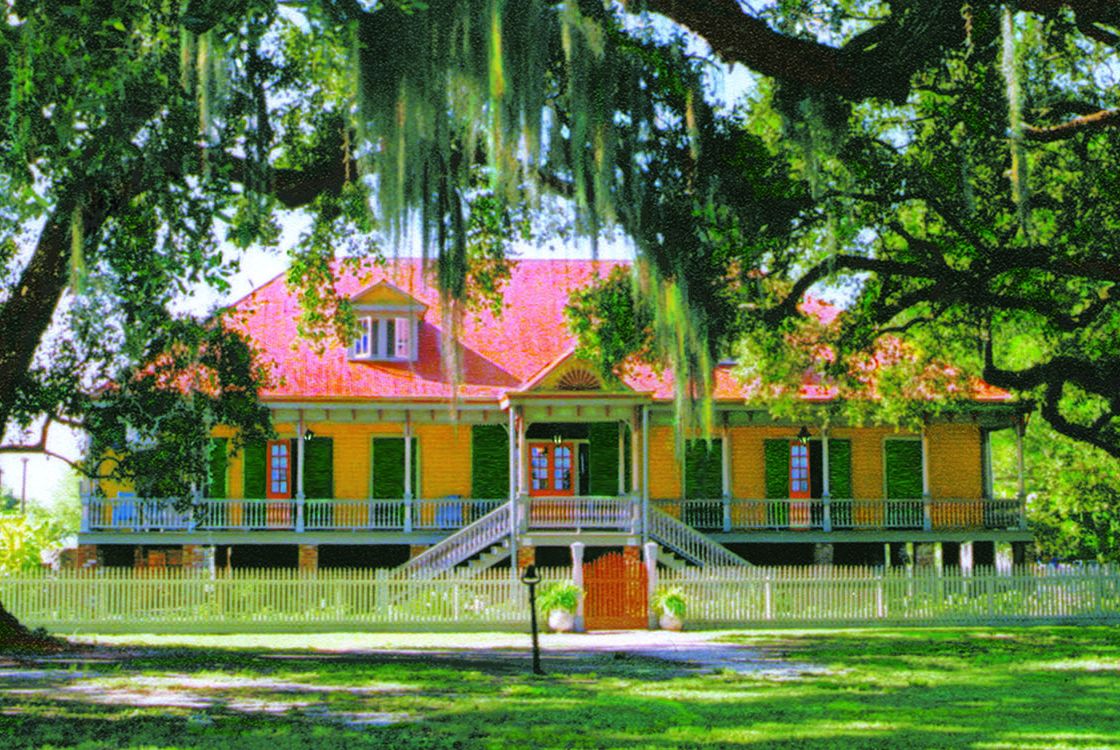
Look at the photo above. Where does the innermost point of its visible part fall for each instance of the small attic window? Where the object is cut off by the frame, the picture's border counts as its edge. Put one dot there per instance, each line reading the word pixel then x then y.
pixel 383 338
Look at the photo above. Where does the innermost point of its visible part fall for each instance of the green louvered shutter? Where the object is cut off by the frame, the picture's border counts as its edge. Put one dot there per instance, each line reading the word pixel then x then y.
pixel 489 461
pixel 903 469
pixel 777 468
pixel 217 469
pixel 703 469
pixel 840 469
pixel 388 468
pixel 255 454
pixel 626 459
pixel 603 450
pixel 318 468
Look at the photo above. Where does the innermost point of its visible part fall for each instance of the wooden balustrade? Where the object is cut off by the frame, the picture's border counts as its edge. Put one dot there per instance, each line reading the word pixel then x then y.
pixel 600 513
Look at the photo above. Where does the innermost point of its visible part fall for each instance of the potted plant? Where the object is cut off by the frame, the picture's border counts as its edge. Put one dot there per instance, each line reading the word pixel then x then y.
pixel 560 601
pixel 670 604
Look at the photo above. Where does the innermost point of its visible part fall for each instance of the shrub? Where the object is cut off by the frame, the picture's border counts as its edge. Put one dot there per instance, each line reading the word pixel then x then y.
pixel 563 596
pixel 670 601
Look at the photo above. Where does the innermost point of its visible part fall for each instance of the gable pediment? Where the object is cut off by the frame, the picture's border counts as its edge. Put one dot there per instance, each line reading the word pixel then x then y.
pixel 571 374
pixel 387 298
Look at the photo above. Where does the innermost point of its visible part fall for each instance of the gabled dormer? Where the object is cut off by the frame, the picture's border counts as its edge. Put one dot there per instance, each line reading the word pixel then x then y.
pixel 388 324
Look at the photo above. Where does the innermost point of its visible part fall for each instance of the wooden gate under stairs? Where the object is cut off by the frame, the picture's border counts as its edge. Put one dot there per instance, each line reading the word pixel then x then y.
pixel 615 592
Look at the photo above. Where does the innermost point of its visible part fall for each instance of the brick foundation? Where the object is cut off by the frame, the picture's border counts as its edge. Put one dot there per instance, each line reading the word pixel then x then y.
pixel 822 554
pixel 415 550
pixel 85 556
pixel 195 557
pixel 526 556
pixel 308 558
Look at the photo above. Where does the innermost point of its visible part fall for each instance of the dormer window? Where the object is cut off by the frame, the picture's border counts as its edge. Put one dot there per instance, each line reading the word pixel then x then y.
pixel 384 338
pixel 388 324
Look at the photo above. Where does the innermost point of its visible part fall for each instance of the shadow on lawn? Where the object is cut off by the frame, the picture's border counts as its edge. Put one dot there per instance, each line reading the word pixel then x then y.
pixel 912 689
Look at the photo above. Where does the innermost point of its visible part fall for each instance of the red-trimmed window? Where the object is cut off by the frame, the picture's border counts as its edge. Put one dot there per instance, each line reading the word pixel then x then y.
pixel 798 470
pixel 552 469
pixel 279 469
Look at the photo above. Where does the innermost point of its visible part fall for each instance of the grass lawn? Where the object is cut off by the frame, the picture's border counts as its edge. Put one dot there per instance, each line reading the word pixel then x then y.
pixel 979 688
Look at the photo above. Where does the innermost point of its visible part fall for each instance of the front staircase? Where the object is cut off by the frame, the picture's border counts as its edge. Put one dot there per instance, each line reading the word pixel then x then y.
pixel 487 542
pixel 487 533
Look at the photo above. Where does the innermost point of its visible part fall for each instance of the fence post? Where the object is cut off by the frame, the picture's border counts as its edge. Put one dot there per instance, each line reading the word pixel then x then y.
pixel 768 607
pixel 650 550
pixel 880 610
pixel 990 582
pixel 382 593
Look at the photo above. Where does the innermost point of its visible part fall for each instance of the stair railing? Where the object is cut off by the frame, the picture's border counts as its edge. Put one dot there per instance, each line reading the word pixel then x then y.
pixel 690 543
pixel 460 546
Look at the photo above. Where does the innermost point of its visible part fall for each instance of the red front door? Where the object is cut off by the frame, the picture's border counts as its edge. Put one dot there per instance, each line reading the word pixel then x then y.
pixel 799 512
pixel 551 469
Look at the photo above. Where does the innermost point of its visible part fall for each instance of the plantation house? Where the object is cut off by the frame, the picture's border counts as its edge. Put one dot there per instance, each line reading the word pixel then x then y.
pixel 537 458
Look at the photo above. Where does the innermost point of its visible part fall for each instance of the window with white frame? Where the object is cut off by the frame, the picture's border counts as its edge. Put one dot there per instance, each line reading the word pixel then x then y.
pixel 385 338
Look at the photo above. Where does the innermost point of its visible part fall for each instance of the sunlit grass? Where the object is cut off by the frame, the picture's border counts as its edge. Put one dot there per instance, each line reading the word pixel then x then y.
pixel 968 688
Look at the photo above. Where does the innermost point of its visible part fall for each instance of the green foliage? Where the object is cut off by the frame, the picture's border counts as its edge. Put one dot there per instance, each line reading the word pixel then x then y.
pixel 155 421
pixel 670 600
pixel 1074 493
pixel 562 595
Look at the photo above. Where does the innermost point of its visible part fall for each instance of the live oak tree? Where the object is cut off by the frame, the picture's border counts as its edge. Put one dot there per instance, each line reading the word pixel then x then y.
pixel 950 164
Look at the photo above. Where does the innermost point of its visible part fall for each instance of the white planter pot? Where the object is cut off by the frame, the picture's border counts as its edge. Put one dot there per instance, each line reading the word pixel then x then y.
pixel 561 621
pixel 670 622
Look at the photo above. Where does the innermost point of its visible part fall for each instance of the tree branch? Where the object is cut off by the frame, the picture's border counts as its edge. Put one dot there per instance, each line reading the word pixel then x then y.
pixel 1105 118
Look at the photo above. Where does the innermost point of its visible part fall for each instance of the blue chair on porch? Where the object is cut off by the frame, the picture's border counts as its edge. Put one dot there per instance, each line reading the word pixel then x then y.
pixel 450 515
pixel 124 511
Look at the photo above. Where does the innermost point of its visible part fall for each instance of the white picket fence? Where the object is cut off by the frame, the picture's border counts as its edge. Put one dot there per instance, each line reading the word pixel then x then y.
pixel 165 601
pixel 835 595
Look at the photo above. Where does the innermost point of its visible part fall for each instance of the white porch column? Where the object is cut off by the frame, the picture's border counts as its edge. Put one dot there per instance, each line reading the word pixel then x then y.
pixel 927 516
pixel 522 453
pixel 650 553
pixel 513 488
pixel 1020 466
pixel 300 429
pixel 408 471
pixel 635 452
pixel 645 474
pixel 826 488
pixel 725 471
pixel 577 580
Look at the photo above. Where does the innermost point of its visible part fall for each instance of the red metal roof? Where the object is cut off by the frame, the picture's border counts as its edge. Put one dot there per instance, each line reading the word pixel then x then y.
pixel 499 354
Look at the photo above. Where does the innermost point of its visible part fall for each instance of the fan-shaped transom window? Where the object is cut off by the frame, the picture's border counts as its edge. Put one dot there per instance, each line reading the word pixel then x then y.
pixel 578 379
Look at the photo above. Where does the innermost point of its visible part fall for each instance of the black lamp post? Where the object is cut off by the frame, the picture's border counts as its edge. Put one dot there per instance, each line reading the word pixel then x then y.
pixel 531 578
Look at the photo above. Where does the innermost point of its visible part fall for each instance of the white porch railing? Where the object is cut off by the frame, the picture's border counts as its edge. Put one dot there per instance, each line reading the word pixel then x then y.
pixel 841 514
pixel 575 513
pixel 313 514
pixel 578 513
